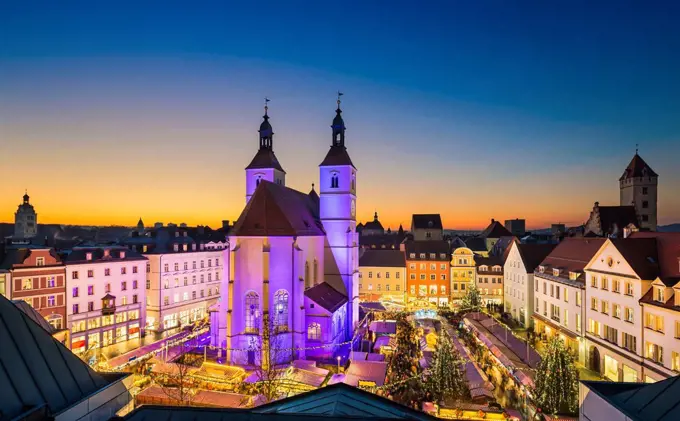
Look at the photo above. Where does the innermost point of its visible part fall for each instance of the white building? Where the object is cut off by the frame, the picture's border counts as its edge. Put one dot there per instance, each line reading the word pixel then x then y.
pixel 183 274
pixel 105 296
pixel 25 220
pixel 559 291
pixel 518 273
pixel 382 275
pixel 634 308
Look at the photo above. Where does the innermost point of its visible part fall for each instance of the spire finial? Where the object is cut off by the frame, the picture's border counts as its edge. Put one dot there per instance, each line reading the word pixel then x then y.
pixel 637 146
pixel 339 95
pixel 312 186
pixel 266 106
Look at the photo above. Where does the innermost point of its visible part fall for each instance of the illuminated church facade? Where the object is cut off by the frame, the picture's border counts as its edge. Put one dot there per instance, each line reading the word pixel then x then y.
pixel 292 285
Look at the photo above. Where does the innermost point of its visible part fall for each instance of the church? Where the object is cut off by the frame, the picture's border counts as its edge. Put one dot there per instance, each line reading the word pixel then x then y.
pixel 292 286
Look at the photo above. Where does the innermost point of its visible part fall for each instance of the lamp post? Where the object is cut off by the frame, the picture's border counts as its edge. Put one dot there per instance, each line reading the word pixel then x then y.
pixel 339 364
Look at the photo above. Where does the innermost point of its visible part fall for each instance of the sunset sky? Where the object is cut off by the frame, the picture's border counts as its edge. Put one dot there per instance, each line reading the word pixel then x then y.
pixel 471 109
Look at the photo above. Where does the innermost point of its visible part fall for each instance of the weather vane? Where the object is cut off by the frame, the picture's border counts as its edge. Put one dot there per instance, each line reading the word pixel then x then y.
pixel 339 95
pixel 266 107
pixel 637 145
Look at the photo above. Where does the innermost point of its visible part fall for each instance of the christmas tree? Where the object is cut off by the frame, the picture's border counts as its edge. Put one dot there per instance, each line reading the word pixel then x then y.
pixel 446 377
pixel 404 383
pixel 472 301
pixel 556 388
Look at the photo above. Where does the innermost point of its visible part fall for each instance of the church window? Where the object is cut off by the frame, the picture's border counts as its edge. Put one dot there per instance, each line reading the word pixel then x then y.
pixel 316 271
pixel 334 181
pixel 281 310
pixel 257 180
pixel 314 332
pixel 252 312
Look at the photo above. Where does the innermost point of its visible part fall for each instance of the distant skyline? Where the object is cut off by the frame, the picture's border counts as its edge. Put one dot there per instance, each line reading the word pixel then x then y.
pixel 474 110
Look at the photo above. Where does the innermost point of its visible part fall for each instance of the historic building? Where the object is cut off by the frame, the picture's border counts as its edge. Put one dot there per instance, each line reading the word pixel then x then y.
pixel 633 302
pixel 462 273
pixel 559 292
pixel 427 227
pixel 518 282
pixel 489 278
pixel 638 188
pixel 382 275
pixel 293 282
pixel 517 227
pixel 183 274
pixel 37 276
pixel 427 268
pixel 25 220
pixel 373 227
pixel 106 296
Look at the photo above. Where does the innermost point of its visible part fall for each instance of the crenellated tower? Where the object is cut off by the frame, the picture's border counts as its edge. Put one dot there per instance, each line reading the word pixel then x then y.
pixel 265 165
pixel 638 187
pixel 337 208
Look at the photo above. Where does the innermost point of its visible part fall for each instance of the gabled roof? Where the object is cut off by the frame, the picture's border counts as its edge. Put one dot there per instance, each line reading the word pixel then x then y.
pixel 668 253
pixel 533 254
pixel 658 401
pixel 637 168
pixel 641 254
pixel 438 247
pixel 79 255
pixel 572 255
pixel 265 158
pixel 326 296
pixel 36 370
pixel 341 400
pixel 618 217
pixel 383 258
pixel 275 210
pixel 495 230
pixel 476 244
pixel 426 221
pixel 33 314
pixel 337 156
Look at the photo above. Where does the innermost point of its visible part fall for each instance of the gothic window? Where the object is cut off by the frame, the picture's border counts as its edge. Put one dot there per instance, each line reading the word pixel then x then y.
pixel 314 332
pixel 353 182
pixel 252 312
pixel 281 310
pixel 334 181
pixel 257 180
pixel 307 278
pixel 316 271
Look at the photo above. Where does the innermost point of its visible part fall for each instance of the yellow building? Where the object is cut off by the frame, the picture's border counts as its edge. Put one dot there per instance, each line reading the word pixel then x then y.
pixel 462 272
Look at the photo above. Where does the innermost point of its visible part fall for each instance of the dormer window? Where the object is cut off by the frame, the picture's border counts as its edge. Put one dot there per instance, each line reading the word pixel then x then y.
pixel 412 255
pixel 443 255
pixel 433 256
pixel 184 247
pixel 258 178
pixel 176 233
pixel 573 275
pixel 658 294
pixel 676 295
pixel 556 272
pixel 107 253
pixel 40 261
pixel 193 247
pixel 541 269
pixel 88 256
pixel 175 247
pixel 144 248
pixel 483 268
pixel 422 255
pixel 202 246
pixel 122 254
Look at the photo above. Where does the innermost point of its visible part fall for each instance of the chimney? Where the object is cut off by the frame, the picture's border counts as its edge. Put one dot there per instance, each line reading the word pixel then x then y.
pixel 493 220
pixel 225 224
pixel 597 204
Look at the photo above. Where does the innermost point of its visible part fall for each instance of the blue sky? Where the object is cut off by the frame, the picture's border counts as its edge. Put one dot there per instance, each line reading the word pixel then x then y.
pixel 523 96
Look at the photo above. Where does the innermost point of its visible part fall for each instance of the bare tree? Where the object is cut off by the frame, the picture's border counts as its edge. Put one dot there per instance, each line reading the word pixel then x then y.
pixel 175 380
pixel 271 373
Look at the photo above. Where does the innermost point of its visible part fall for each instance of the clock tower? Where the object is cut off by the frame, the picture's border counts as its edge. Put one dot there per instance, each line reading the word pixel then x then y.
pixel 337 209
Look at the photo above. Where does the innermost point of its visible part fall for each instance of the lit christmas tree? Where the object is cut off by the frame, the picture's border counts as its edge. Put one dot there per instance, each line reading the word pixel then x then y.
pixel 446 377
pixel 402 376
pixel 472 301
pixel 556 380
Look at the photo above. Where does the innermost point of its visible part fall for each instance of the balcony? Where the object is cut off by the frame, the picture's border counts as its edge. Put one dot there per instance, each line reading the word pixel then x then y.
pixel 108 305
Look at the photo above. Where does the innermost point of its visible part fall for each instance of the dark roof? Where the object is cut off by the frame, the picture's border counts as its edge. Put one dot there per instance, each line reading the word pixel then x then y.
pixel 276 210
pixel 572 255
pixel 36 370
pixel 488 261
pixel 382 258
pixel 374 224
pixel 33 314
pixel 428 246
pixel 265 158
pixel 619 216
pixel 641 254
pixel 326 296
pixel 668 253
pixel 476 244
pixel 337 155
pixel 79 255
pixel 163 239
pixel 17 256
pixel 658 401
pixel 495 230
pixel 426 221
pixel 637 168
pixel 533 254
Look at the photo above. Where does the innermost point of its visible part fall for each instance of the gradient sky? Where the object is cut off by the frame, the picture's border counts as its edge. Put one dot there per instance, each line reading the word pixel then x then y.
pixel 475 109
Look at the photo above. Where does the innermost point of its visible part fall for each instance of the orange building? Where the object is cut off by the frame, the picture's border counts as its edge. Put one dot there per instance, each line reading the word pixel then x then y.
pixel 427 273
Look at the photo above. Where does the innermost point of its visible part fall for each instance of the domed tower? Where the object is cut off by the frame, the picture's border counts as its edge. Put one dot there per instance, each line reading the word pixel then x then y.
pixel 265 165
pixel 337 210
pixel 25 220
pixel 638 188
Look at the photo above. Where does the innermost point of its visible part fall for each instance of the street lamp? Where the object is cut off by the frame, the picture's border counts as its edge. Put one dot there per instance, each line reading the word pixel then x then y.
pixel 339 364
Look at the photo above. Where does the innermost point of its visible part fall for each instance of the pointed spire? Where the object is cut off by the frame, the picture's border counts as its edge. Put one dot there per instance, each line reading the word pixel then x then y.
pixel 375 216
pixel 26 196
pixel 338 125
pixel 266 131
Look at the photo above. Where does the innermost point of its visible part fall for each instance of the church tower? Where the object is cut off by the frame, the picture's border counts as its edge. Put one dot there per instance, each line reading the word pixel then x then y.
pixel 638 187
pixel 25 220
pixel 264 165
pixel 337 210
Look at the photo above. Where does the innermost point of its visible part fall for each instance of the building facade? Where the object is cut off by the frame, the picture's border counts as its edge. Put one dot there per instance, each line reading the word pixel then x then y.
pixel 489 279
pixel 462 273
pixel 427 227
pixel 638 188
pixel 427 268
pixel 36 275
pixel 517 227
pixel 559 292
pixel 382 275
pixel 25 220
pixel 106 296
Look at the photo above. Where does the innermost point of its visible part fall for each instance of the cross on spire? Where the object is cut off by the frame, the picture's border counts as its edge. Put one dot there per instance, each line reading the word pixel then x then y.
pixel 266 106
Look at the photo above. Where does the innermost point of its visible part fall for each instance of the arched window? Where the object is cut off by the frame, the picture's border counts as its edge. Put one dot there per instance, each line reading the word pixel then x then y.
pixel 316 272
pixel 314 332
pixel 281 310
pixel 252 312
pixel 307 278
pixel 334 181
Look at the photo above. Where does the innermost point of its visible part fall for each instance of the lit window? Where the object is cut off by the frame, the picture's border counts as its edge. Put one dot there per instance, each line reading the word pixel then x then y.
pixel 252 312
pixel 281 308
pixel 314 331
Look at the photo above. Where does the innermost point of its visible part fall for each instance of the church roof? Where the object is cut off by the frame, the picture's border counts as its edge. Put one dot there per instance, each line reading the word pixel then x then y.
pixel 337 155
pixel 326 296
pixel 276 210
pixel 637 168
pixel 265 158
pixel 37 372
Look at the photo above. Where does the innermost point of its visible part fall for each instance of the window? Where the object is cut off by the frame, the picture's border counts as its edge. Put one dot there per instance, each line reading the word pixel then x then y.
pixel 379 287
pixel 166 300
pixel 629 314
pixel 175 298
pixel 107 272
pixel 252 302
pixel 74 274
pixel 166 267
pixel 422 276
pixel 51 282
pixel 397 287
pixel 90 290
pixel 193 295
pixel 134 298
pixel 123 286
pixel 658 294
pixel 578 298
pixel 593 281
pixel 412 276
pixel 654 352
pixel 616 286
pixel 107 288
pixel 593 303
pixel 433 266
pixel 629 288
pixel 148 266
pixel 605 307
pixel 677 330
pixel 176 267
pixel 316 271
pixel 40 261
pixel 90 273
pixel 335 183
pixel 134 284
pixel 396 275
pixel 387 275
pixel 134 269
pixel 314 332
pixel 387 287
pixel 617 311
pixel 443 277
pixel 566 295
pixel 90 306
pixel 281 309
pixel 645 204
pixel 413 290
pixel 370 275
pixel 433 277
pixel 370 287
pixel 675 361
pixel 75 308
pixel 644 190
pixel 123 270
pixel 51 301
pixel 611 334
pixel 654 322
pixel 75 292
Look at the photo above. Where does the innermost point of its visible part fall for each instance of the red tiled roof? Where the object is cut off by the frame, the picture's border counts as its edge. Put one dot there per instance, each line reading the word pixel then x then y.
pixel 275 210
pixel 668 251
pixel 638 168
pixel 641 254
pixel 572 254
pixel 326 296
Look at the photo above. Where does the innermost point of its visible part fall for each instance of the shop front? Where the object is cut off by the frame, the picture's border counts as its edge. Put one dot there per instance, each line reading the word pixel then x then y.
pixel 133 332
pixel 611 368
